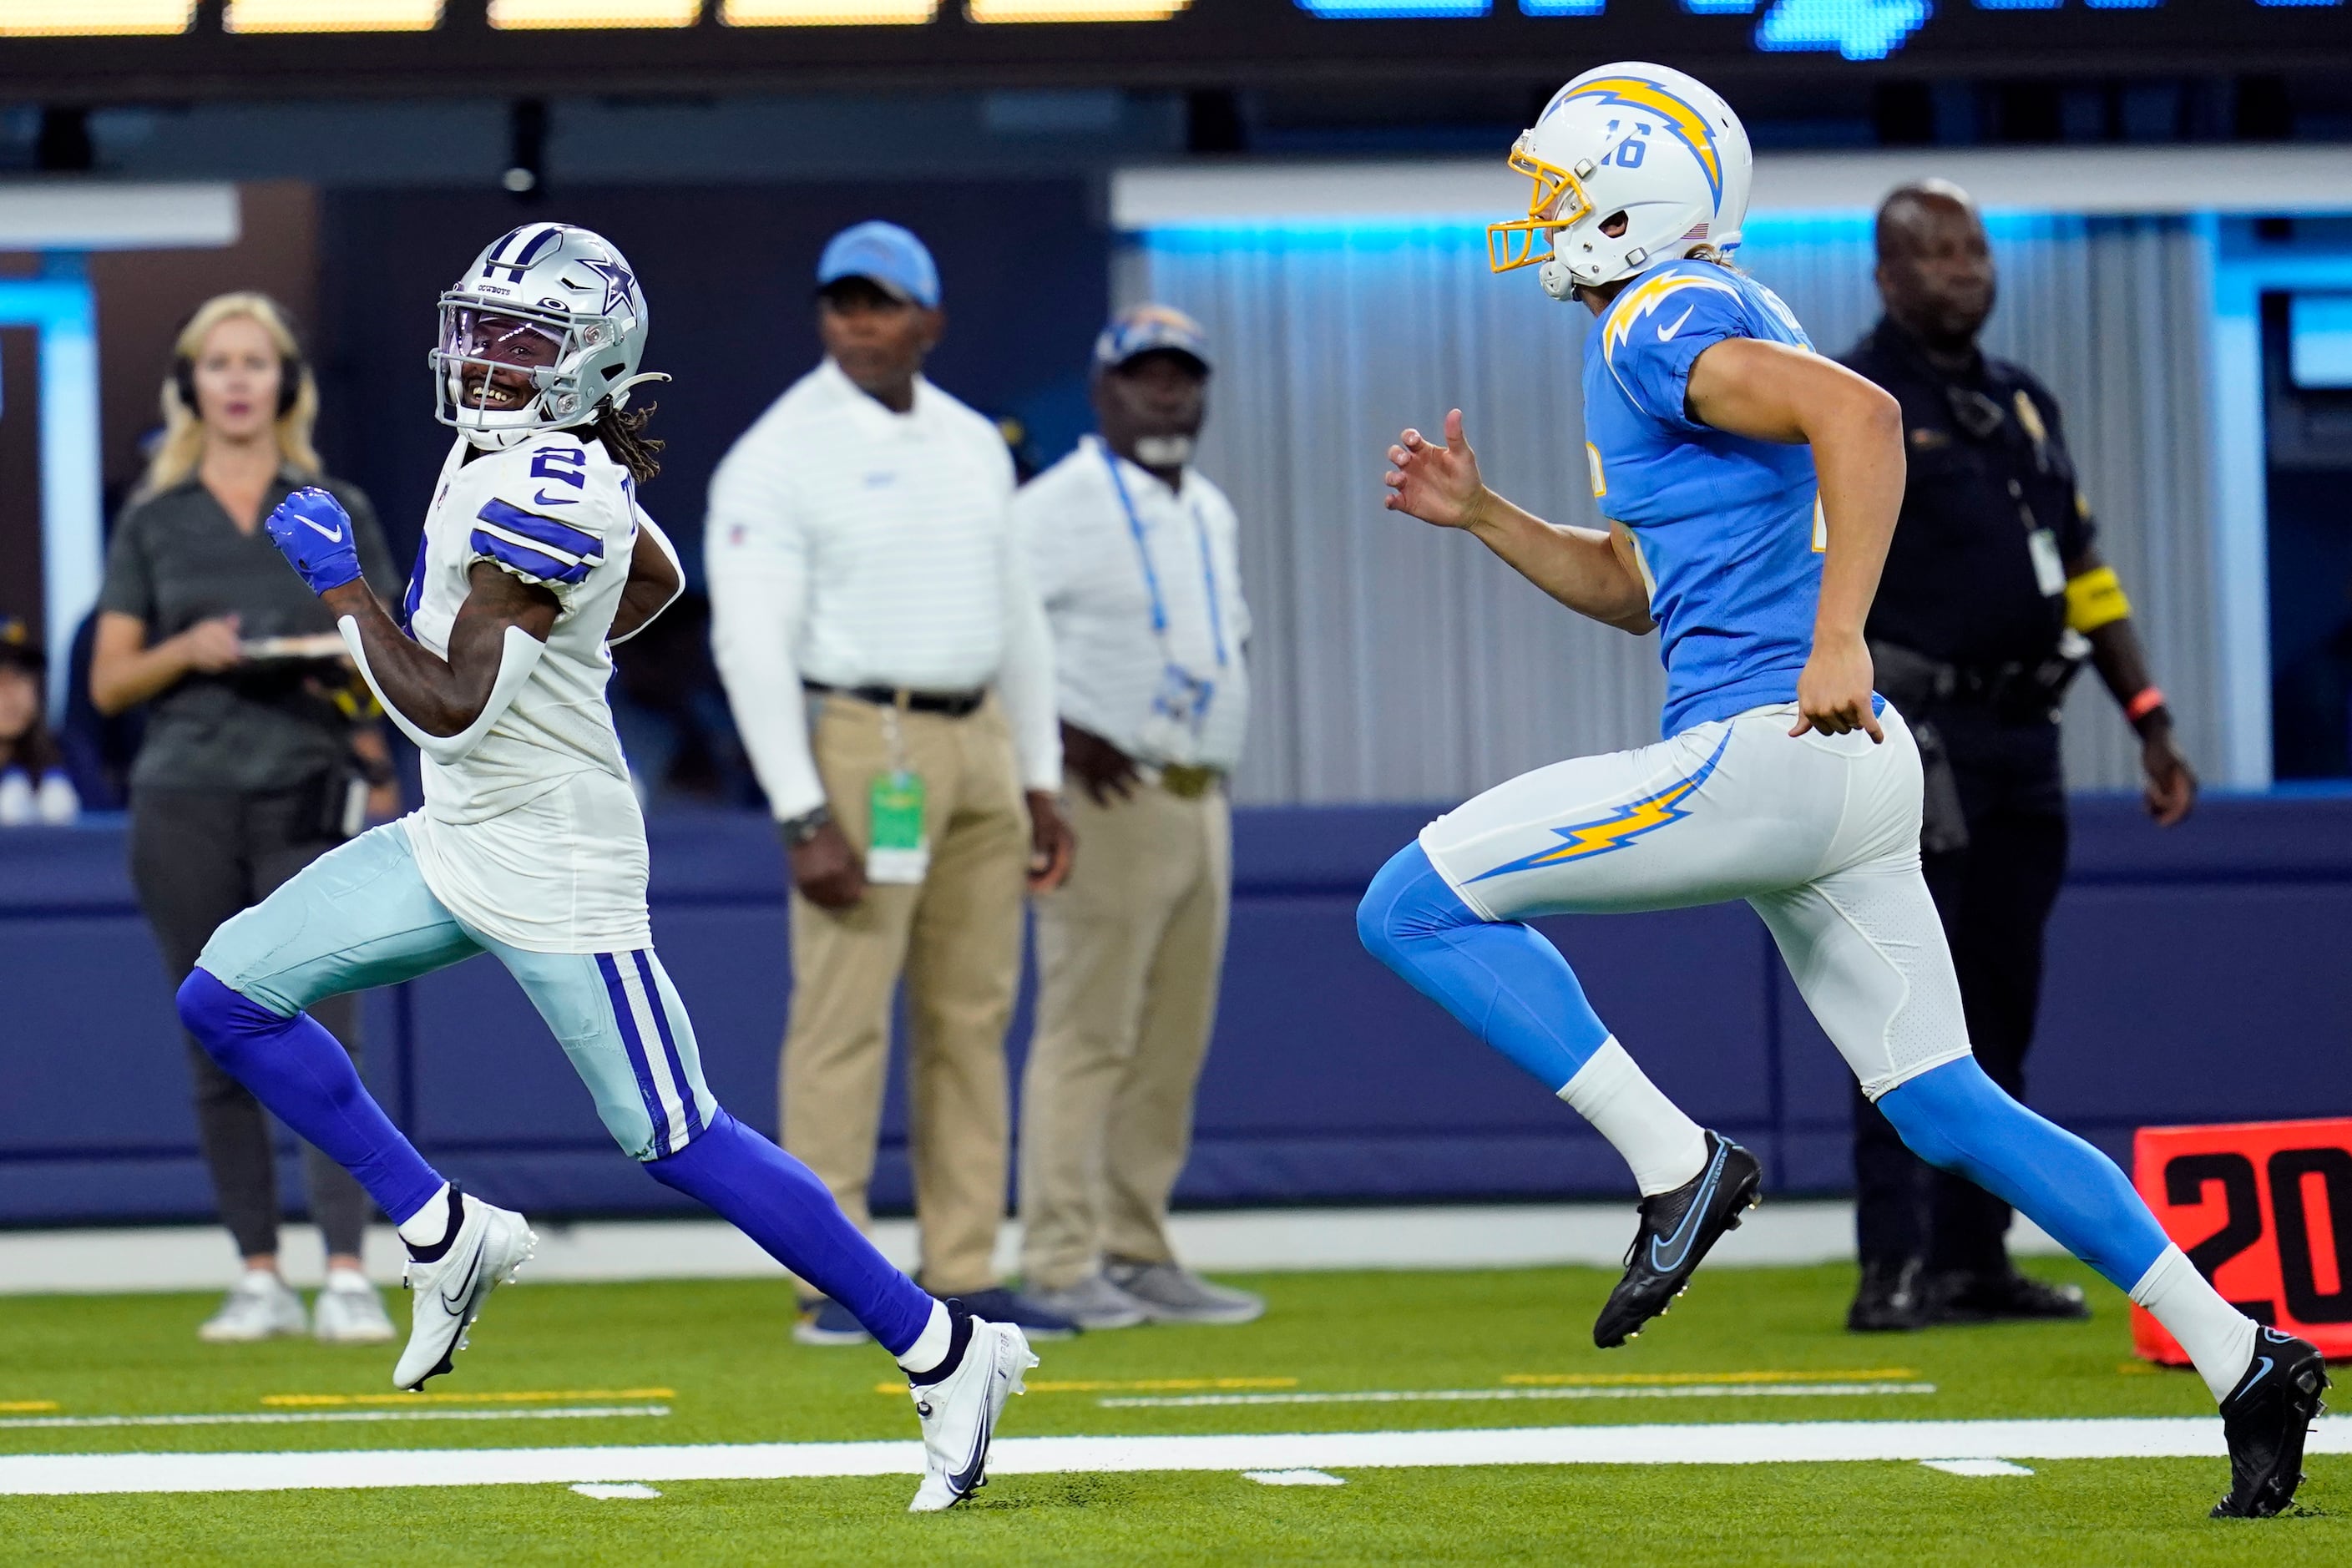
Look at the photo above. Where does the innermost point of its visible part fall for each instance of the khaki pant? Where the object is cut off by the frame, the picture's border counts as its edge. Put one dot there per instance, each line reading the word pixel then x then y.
pixel 957 939
pixel 1128 952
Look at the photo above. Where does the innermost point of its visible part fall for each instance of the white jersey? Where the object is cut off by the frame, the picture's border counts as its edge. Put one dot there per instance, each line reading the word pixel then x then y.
pixel 534 837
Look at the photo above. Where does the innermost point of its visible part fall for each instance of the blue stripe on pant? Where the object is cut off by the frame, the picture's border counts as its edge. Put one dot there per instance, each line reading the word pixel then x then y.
pixel 361 916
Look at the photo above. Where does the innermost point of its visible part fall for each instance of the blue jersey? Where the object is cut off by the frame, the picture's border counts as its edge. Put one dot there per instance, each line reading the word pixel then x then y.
pixel 1728 530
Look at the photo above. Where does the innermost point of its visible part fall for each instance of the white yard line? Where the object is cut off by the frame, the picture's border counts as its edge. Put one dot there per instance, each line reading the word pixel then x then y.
pixel 1416 1395
pixel 278 1418
pixel 1744 1444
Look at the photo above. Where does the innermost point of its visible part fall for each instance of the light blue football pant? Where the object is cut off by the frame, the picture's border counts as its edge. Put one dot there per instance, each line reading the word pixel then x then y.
pixel 361 916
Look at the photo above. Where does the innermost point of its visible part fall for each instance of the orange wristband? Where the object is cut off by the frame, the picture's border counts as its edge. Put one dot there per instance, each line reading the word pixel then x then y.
pixel 2149 700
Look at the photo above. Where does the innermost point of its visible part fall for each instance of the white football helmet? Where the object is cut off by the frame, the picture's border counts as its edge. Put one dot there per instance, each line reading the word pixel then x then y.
pixel 1647 142
pixel 547 304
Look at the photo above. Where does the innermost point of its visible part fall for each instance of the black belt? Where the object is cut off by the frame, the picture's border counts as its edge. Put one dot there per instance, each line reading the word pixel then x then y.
pixel 2015 692
pixel 950 704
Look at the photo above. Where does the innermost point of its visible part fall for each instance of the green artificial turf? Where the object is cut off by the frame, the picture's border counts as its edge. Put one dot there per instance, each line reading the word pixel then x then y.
pixel 722 1350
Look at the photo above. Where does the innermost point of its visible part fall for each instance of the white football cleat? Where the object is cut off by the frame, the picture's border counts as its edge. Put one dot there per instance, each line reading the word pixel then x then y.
pixel 959 1412
pixel 259 1306
pixel 446 1294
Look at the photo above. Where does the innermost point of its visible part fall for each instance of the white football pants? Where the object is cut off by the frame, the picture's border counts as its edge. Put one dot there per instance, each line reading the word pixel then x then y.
pixel 1820 834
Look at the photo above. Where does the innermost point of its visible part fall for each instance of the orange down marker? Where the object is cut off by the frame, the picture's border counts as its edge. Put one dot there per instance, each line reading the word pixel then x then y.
pixel 2264 1209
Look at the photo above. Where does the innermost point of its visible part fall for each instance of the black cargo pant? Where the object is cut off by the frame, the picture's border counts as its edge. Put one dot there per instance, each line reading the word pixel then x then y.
pixel 1995 897
pixel 198 857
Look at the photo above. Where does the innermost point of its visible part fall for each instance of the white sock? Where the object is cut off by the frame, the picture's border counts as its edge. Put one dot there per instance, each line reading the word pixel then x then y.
pixel 1665 1147
pixel 2218 1337
pixel 347 1280
pixel 429 1223
pixel 931 1346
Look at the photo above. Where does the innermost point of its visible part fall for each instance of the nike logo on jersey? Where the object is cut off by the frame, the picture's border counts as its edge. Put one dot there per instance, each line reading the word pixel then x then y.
pixel 1666 333
pixel 543 499
pixel 331 535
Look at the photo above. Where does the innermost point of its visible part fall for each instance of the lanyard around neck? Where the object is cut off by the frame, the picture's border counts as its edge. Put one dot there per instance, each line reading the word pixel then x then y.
pixel 1151 573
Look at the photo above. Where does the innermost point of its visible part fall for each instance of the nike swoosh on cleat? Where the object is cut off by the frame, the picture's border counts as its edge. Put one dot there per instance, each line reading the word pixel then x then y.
pixel 1686 1232
pixel 1667 334
pixel 332 535
pixel 2266 1371
pixel 965 1479
pixel 466 1291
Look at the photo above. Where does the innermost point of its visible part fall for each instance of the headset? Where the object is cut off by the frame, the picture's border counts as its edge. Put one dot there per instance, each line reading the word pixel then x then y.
pixel 290 371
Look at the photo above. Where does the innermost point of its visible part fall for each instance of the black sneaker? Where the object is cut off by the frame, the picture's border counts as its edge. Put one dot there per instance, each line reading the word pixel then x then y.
pixel 2265 1419
pixel 999 1305
pixel 2003 1298
pixel 1677 1230
pixel 826 1322
pixel 1888 1301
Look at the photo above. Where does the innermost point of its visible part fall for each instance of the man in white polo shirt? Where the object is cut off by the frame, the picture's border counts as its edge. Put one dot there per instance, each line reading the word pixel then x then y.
pixel 1135 556
pixel 890 671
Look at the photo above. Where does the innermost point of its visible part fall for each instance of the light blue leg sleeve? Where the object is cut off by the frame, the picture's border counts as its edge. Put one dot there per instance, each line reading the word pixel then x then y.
pixel 1499 979
pixel 1957 1119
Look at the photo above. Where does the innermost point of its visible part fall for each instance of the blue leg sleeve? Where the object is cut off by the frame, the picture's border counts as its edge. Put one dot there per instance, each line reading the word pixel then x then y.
pixel 778 1203
pixel 296 1069
pixel 1503 983
pixel 1957 1119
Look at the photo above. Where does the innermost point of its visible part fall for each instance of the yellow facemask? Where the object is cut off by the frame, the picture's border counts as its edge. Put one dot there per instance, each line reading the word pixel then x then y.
pixel 1557 202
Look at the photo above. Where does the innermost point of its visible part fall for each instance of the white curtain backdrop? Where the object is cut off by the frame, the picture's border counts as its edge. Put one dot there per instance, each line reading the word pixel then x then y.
pixel 1393 662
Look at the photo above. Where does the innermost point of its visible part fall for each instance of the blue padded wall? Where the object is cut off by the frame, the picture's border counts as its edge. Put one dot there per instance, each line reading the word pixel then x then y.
pixel 2195 975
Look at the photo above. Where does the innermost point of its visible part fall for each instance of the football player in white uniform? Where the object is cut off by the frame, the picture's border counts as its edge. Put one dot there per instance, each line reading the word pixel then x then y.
pixel 536 559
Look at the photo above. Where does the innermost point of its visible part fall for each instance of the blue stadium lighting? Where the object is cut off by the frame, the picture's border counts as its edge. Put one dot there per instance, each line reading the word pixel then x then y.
pixel 61 304
pixel 2019 4
pixel 1857 29
pixel 1719 7
pixel 1563 7
pixel 2299 2
pixel 1363 10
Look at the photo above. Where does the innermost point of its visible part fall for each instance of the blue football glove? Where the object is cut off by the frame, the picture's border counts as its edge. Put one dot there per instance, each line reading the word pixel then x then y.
pixel 313 531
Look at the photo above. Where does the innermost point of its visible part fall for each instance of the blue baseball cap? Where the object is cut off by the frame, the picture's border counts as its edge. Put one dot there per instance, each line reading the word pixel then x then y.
pixel 1148 329
pixel 885 256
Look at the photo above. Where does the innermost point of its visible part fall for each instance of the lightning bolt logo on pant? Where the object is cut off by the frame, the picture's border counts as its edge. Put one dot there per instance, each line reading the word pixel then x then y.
pixel 1660 808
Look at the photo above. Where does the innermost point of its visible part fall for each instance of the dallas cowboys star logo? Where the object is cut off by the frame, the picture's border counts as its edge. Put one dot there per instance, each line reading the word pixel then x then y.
pixel 620 285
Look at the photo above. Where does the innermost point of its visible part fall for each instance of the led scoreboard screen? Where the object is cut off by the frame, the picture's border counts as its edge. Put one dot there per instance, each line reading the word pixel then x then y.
pixel 92 50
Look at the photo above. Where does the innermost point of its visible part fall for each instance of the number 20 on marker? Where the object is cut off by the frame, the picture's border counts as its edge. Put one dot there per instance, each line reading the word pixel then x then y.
pixel 2263 1210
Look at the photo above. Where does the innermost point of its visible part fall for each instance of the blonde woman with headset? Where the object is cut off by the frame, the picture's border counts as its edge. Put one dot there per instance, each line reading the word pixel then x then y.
pixel 256 751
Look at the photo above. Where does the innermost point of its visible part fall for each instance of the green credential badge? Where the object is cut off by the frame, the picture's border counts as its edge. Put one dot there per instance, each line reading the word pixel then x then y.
pixel 898 851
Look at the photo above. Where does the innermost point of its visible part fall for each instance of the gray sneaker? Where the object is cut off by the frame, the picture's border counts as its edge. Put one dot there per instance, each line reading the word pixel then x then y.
pixel 259 1306
pixel 1171 1293
pixel 1093 1302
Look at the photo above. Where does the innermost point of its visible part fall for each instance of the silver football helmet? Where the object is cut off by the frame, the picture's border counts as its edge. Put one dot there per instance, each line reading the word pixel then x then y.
pixel 545 326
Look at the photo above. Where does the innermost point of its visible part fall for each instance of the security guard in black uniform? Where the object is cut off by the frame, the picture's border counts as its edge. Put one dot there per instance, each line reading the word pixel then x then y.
pixel 1993 595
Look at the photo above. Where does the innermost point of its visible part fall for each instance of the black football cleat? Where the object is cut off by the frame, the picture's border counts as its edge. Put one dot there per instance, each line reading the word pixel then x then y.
pixel 2265 1419
pixel 1678 1230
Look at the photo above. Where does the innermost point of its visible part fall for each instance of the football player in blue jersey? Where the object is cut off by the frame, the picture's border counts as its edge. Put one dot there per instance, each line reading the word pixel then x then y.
pixel 1752 486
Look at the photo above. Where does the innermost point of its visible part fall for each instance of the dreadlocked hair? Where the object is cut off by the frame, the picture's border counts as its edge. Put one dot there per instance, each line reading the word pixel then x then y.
pixel 622 432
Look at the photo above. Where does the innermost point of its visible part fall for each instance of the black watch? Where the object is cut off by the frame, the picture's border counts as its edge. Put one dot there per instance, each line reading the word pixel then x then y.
pixel 799 830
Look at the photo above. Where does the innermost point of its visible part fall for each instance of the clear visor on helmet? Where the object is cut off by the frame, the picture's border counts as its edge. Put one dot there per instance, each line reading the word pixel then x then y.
pixel 495 360
pixel 469 332
pixel 1557 202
